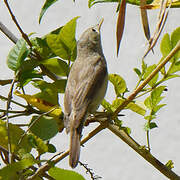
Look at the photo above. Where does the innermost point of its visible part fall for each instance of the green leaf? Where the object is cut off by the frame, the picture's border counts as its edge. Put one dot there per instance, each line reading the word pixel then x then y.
pixel 118 123
pixel 41 46
pixel 174 68
pixel 116 103
pixel 45 127
pixel 165 45
pixel 92 2
pixel 151 125
pixel 67 34
pixel 15 135
pixel 132 106
pixel 64 43
pixel 17 55
pixel 152 101
pixel 148 102
pixel 144 67
pixel 157 108
pixel 57 46
pixel 62 174
pixel 51 148
pixel 138 72
pixel 134 2
pixel 148 71
pixel 156 95
pixel 127 130
pixel 60 85
pixel 107 106
pixel 29 65
pixel 170 164
pixel 171 76
pixel 48 92
pixel 46 5
pixel 26 76
pixel 175 37
pixel 56 66
pixel 150 117
pixel 37 143
pixel 11 171
pixel 136 108
pixel 119 83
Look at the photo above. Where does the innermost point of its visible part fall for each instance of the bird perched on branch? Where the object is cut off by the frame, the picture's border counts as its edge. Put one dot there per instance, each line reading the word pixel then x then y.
pixel 86 87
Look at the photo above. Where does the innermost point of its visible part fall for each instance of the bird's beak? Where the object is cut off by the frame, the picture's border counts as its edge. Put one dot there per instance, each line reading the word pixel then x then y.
pixel 100 24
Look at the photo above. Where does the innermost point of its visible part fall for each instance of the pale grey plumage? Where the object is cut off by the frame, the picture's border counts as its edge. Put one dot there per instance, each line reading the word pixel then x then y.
pixel 86 87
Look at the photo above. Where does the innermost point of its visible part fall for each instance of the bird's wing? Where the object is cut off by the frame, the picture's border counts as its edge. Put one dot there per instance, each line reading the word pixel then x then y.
pixel 92 78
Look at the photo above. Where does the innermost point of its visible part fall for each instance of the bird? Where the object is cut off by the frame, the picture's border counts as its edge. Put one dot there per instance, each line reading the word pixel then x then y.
pixel 86 87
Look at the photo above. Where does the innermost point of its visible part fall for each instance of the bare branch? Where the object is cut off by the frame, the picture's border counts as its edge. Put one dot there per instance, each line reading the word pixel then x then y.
pixel 7 118
pixel 162 18
pixel 8 33
pixel 89 171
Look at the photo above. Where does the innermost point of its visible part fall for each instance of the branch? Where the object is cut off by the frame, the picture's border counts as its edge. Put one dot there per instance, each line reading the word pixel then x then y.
pixel 146 81
pixel 5 81
pixel 8 33
pixel 7 118
pixel 26 38
pixel 143 152
pixel 89 171
pixel 47 166
pixel 19 104
pixel 162 17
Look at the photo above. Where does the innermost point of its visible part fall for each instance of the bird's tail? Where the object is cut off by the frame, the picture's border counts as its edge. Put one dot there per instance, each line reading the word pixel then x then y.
pixel 74 151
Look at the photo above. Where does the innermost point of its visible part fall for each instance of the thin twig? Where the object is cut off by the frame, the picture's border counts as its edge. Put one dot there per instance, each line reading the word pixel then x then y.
pixel 17 103
pixel 8 33
pixel 55 156
pixel 16 115
pixel 7 118
pixel 5 81
pixel 47 166
pixel 32 124
pixel 89 171
pixel 10 111
pixel 162 18
pixel 26 38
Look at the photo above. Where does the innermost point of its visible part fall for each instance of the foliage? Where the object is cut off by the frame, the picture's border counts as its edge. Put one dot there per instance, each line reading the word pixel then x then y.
pixel 51 56
pixel 151 4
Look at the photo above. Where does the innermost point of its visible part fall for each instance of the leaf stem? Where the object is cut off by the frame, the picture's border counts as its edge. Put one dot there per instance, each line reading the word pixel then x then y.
pixel 148 139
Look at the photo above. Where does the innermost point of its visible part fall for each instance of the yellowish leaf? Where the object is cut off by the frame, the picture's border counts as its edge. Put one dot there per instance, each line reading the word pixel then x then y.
pixel 156 4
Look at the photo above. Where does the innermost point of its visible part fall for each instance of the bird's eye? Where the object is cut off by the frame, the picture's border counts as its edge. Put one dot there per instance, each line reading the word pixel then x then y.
pixel 93 30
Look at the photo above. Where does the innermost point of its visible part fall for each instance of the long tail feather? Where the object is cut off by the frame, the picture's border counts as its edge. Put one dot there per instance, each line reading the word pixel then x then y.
pixel 74 151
